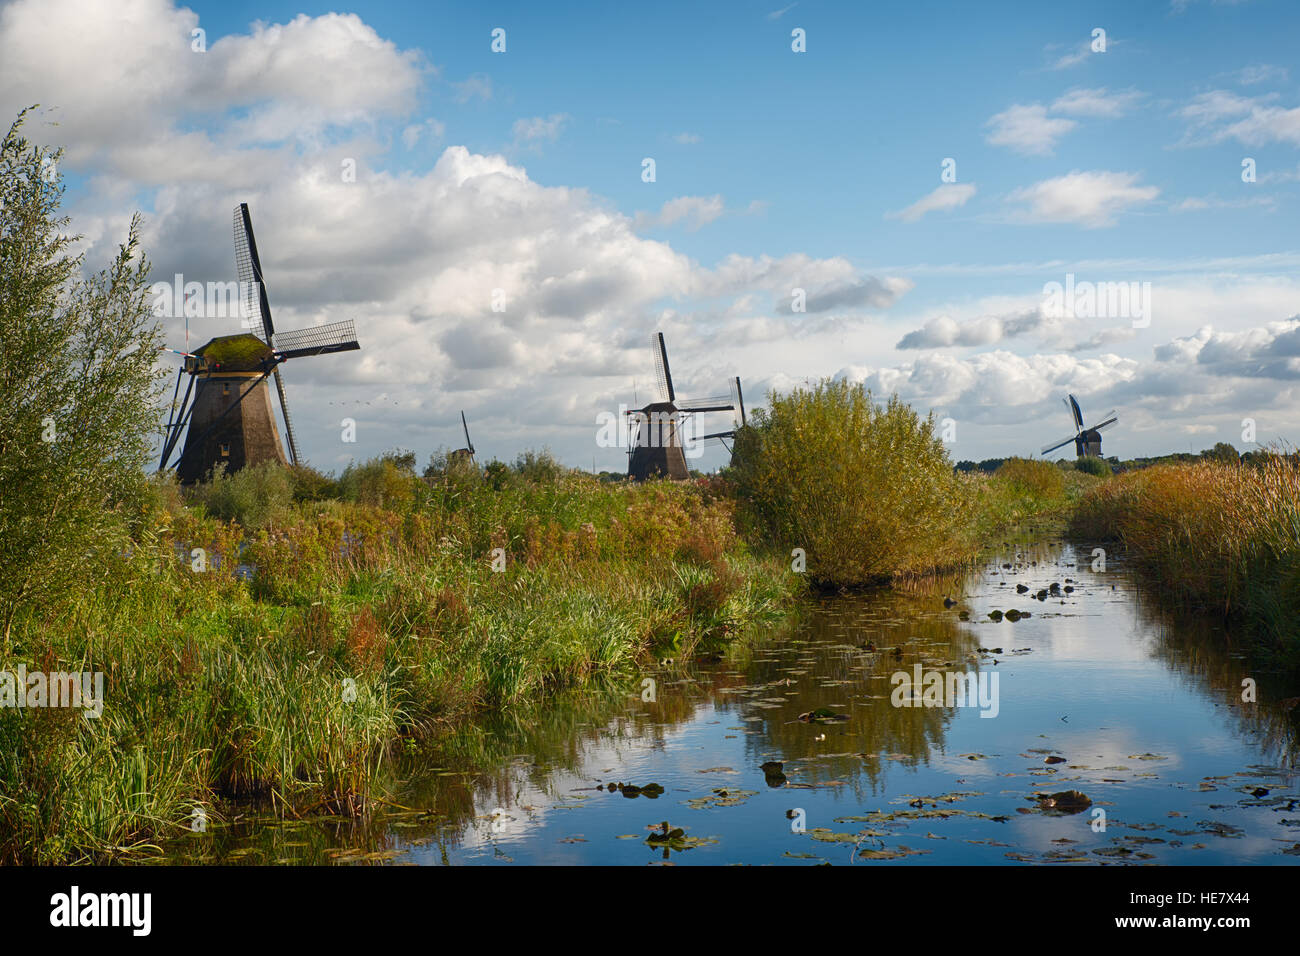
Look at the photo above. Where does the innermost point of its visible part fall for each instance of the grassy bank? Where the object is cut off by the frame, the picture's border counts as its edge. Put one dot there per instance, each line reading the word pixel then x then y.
pixel 1211 538
pixel 1023 490
pixel 365 626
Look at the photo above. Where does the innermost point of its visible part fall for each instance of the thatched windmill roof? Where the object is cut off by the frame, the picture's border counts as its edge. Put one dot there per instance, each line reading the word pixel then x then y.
pixel 237 353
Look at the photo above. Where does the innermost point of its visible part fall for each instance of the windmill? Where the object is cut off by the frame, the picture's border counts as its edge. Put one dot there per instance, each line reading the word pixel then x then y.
pixel 657 447
pixel 226 414
pixel 737 416
pixel 1087 441
pixel 466 453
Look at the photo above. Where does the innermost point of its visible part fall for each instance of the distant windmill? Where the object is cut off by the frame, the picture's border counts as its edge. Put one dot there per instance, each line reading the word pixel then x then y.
pixel 1087 441
pixel 657 447
pixel 226 413
pixel 468 451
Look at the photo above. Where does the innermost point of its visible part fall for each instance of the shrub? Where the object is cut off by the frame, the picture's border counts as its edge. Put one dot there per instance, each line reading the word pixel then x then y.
pixel 1222 452
pixel 80 388
pixel 252 496
pixel 387 481
pixel 538 466
pixel 1039 479
pixel 866 490
pixel 1093 466
pixel 312 485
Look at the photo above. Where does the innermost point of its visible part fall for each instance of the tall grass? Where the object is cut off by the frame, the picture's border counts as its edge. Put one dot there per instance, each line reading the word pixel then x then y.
pixel 1210 536
pixel 364 626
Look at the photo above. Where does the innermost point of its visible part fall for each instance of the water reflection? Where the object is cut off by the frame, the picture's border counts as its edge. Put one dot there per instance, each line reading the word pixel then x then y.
pixel 1099 695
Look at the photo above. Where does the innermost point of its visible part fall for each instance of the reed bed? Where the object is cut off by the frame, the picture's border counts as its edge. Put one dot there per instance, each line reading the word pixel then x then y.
pixel 1211 537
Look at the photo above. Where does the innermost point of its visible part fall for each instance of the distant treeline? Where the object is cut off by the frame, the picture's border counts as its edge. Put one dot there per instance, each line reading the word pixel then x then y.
pixel 1222 452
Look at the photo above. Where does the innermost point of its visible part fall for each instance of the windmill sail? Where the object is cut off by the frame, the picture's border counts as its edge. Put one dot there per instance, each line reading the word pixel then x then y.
pixel 464 424
pixel 257 306
pixel 1063 442
pixel 717 403
pixel 1073 405
pixel 317 340
pixel 662 373
pixel 1110 418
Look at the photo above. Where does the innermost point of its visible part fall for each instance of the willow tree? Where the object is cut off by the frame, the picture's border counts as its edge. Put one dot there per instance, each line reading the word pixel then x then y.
pixel 78 389
pixel 865 489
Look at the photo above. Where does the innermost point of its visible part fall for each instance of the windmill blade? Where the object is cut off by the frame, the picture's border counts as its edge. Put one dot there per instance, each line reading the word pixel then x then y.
pixel 1076 412
pixel 699 406
pixel 1059 444
pixel 738 398
pixel 718 435
pixel 1109 419
pixel 318 340
pixel 662 373
pixel 249 265
pixel 288 422
pixel 180 419
pixel 712 404
pixel 251 283
pixel 468 444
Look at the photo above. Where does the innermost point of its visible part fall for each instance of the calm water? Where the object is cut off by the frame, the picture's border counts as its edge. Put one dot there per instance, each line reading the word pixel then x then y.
pixel 1095 694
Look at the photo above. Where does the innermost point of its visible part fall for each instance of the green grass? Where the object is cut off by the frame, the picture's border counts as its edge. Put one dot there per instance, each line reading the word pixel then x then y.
pixel 365 629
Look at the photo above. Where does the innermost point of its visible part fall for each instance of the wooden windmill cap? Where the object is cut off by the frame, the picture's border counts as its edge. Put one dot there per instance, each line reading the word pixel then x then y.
pixel 236 353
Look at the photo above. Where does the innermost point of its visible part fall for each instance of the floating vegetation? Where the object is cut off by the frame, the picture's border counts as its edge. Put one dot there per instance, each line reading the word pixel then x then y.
pixel 631 791
pixel 823 715
pixel 674 838
pixel 1064 802
pixel 721 798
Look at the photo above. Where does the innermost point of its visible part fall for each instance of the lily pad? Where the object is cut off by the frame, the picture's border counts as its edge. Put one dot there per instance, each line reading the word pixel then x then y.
pixel 1066 801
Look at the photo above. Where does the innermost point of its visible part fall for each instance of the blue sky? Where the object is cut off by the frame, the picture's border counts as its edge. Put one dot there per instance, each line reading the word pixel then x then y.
pixel 774 169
